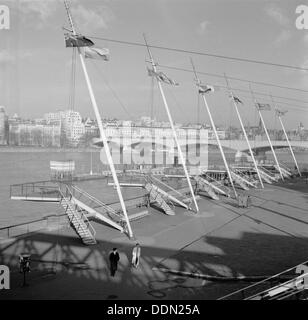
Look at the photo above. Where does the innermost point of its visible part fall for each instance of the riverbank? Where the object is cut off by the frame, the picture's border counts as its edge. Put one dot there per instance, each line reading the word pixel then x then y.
pixel 43 149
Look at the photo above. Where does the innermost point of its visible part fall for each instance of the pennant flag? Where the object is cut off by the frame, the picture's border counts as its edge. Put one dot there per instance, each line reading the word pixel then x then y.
pixel 151 73
pixel 237 100
pixel 96 53
pixel 263 106
pixel 72 40
pixel 161 77
pixel 260 126
pixel 280 112
pixel 204 88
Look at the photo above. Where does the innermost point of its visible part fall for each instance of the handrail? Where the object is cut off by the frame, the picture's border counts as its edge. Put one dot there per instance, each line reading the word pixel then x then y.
pixel 278 286
pixel 265 280
pixel 245 178
pixel 284 165
pixel 102 204
pixel 10 227
pixel 243 175
pixel 31 188
pixel 82 215
pixel 167 186
pixel 30 183
pixel 128 199
pixel 32 221
pixel 219 183
pixel 156 194
pixel 267 171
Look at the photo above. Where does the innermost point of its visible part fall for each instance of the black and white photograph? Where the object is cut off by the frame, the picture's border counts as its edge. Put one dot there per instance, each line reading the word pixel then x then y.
pixel 154 152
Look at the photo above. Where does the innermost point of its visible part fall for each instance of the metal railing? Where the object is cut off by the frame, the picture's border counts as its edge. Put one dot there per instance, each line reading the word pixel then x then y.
pixel 40 189
pixel 263 286
pixel 129 177
pixel 97 203
pixel 134 202
pixel 81 217
pixel 165 186
pixel 285 166
pixel 218 183
pixel 216 175
pixel 250 178
pixel 21 229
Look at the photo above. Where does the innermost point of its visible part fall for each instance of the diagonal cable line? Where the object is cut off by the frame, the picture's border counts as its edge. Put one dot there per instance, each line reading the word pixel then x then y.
pixel 203 54
pixel 235 78
pixel 115 95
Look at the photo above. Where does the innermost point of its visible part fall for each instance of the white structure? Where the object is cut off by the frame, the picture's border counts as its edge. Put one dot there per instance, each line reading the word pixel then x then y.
pixel 101 129
pixel 3 127
pixel 198 83
pixel 183 160
pixel 221 134
pixel 280 113
pixel 71 124
pixel 31 134
pixel 150 132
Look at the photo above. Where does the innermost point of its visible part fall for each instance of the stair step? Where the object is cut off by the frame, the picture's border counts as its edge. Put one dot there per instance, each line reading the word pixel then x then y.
pixel 76 219
pixel 158 198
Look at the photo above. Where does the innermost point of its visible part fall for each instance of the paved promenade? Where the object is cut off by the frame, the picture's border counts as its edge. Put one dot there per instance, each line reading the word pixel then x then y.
pixel 222 241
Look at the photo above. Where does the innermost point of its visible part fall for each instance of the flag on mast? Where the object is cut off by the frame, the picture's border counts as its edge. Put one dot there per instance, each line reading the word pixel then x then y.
pixel 96 53
pixel 236 99
pixel 161 77
pixel 280 113
pixel 263 106
pixel 204 88
pixel 72 40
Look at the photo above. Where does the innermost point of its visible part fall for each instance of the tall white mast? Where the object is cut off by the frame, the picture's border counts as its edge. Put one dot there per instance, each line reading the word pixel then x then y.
pixel 267 135
pixel 215 132
pixel 244 131
pixel 183 160
pixel 279 114
pixel 91 171
pixel 101 128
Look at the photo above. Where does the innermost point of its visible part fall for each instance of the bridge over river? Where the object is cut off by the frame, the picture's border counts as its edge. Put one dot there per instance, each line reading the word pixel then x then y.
pixel 258 146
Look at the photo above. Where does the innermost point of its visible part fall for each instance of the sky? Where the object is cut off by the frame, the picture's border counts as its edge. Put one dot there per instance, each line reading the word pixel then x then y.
pixel 35 65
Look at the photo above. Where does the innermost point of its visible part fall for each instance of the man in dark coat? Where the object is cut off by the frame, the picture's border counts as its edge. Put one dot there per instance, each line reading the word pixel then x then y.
pixel 114 258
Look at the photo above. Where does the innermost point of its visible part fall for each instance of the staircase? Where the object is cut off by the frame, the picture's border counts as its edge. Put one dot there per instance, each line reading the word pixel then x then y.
pixel 173 195
pixel 265 177
pixel 266 173
pixel 246 179
pixel 204 186
pixel 97 204
pixel 239 180
pixel 77 218
pixel 217 185
pixel 157 197
pixel 286 173
pixel 286 168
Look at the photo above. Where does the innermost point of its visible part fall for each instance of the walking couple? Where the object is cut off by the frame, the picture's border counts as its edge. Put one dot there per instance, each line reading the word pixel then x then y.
pixel 114 258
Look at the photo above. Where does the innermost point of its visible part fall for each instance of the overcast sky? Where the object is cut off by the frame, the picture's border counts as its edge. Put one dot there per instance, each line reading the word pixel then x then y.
pixel 35 66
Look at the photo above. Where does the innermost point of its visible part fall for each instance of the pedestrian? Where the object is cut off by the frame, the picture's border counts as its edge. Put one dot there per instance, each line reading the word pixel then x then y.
pixel 226 180
pixel 114 258
pixel 240 201
pixel 249 202
pixel 245 198
pixel 136 255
